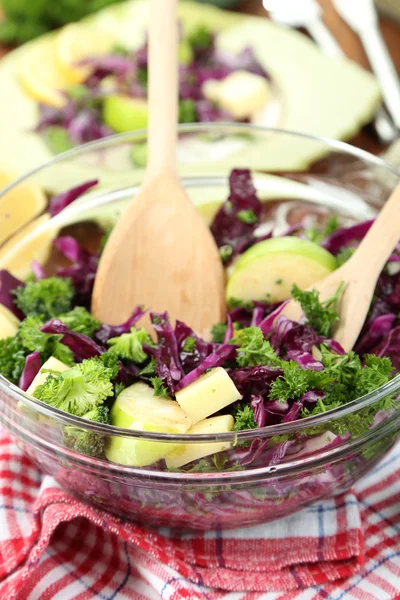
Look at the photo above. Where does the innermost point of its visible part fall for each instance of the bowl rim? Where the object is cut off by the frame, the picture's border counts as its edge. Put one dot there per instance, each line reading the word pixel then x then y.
pixel 248 435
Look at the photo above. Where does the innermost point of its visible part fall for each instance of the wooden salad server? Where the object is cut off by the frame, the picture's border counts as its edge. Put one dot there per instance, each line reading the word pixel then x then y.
pixel 161 253
pixel 359 274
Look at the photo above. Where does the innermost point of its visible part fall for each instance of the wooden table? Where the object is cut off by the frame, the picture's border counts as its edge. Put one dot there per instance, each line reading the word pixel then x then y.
pixel 352 46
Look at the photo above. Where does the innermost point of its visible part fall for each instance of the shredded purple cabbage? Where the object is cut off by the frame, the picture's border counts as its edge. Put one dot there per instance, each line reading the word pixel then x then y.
pixel 83 270
pixel 31 369
pixel 82 346
pixel 8 284
pixel 107 332
pixel 228 227
pixel 61 201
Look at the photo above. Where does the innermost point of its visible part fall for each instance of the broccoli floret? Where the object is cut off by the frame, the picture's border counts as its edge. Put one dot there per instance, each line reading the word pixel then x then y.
pixel 111 361
pixel 130 345
pixel 79 389
pixel 46 298
pixel 81 321
pixel 47 344
pixel 12 358
pixel 84 441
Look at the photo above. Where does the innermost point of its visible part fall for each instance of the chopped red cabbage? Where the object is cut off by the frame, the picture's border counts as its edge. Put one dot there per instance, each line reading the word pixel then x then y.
pixel 61 201
pixel 109 331
pixel 37 270
pixel 346 236
pixel 215 359
pixel 82 346
pixel 31 369
pixel 9 283
pixel 83 270
pixel 228 228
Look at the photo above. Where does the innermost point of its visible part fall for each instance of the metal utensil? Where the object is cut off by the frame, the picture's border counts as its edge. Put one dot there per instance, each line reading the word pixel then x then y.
pixel 307 14
pixel 361 16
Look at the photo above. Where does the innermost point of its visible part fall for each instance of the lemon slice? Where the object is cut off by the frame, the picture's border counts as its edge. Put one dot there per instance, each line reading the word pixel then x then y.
pixel 18 206
pixel 40 74
pixel 76 42
pixel 17 254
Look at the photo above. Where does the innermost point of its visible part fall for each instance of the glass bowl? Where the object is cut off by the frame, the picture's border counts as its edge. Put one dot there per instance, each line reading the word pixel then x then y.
pixel 262 474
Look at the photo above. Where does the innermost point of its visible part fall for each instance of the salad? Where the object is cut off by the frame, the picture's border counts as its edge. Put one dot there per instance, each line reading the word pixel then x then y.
pixel 257 369
pixel 214 85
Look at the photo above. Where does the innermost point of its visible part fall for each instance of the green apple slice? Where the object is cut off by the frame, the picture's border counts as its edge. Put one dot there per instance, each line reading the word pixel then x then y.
pixel 123 113
pixel 138 409
pixel 269 269
pixel 187 453
pixel 208 394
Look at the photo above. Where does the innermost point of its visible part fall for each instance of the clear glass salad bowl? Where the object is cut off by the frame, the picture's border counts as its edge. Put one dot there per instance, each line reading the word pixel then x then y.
pixel 265 473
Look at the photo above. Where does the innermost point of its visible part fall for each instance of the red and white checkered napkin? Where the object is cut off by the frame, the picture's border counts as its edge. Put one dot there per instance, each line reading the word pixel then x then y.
pixel 54 547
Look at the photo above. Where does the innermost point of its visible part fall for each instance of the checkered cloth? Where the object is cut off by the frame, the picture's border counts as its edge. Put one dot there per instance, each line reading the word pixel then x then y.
pixel 55 547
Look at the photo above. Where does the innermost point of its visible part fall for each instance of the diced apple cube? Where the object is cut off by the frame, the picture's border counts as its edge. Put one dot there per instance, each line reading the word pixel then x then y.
pixel 241 93
pixel 187 453
pixel 52 364
pixel 208 394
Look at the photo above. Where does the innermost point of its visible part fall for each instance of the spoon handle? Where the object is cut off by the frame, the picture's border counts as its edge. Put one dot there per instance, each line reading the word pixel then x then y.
pixel 376 247
pixel 163 88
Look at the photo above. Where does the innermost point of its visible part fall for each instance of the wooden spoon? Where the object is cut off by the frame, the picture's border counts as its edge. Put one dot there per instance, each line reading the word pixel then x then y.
pixel 161 253
pixel 359 274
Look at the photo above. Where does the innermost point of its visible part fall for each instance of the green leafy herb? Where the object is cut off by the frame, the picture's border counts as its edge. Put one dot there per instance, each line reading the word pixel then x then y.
pixel 247 216
pixel 317 235
pixel 320 315
pixel 189 345
pixel 200 37
pixel 150 368
pixel 295 382
pixel 225 252
pixel 253 348
pixel 237 303
pixel 57 138
pixel 244 418
pixel 187 111
pixel 159 388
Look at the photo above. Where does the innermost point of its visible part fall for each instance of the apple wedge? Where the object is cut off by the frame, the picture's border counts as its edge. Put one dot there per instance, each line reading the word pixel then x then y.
pixel 269 269
pixel 138 409
pixel 187 453
pixel 123 113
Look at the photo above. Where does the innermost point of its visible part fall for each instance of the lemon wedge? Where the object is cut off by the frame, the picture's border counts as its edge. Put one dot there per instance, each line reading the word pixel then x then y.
pixel 76 42
pixel 18 206
pixel 17 254
pixel 40 74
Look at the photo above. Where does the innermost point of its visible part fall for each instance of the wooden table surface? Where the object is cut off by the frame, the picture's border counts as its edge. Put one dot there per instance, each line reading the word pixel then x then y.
pixel 350 43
